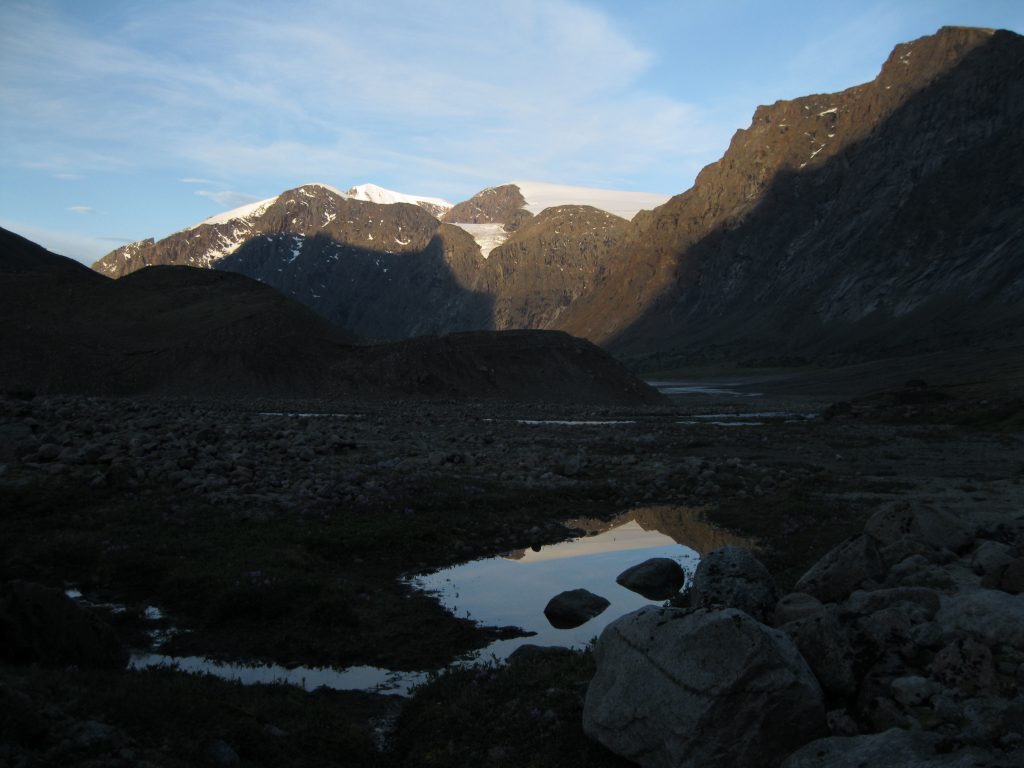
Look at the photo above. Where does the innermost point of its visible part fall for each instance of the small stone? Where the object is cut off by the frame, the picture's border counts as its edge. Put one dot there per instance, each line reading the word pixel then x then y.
pixel 658 578
pixel 796 605
pixel 990 556
pixel 574 608
pixel 966 665
pixel 841 724
pixel 914 690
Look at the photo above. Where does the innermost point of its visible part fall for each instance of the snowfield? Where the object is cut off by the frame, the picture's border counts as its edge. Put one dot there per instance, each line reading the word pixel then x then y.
pixel 373 194
pixel 540 195
pixel 487 236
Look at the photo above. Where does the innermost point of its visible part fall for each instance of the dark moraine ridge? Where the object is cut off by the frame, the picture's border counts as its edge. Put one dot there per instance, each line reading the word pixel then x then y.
pixel 184 331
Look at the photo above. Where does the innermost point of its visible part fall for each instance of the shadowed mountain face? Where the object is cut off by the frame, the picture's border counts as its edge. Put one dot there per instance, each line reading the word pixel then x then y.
pixel 175 330
pixel 839 227
pixel 880 221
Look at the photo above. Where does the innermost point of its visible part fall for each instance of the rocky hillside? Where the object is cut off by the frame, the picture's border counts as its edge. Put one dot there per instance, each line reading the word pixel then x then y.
pixel 548 263
pixel 381 265
pixel 881 220
pixel 495 205
pixel 385 270
pixel 173 330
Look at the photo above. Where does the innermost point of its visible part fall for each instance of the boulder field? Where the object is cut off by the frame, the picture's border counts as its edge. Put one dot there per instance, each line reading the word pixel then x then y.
pixel 902 646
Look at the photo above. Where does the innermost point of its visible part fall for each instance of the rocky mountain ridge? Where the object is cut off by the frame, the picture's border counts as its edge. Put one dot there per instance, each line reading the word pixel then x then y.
pixel 880 221
pixel 180 331
pixel 858 224
pixel 391 271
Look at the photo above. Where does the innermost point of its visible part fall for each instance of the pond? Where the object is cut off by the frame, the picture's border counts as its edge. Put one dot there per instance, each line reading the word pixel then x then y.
pixel 512 590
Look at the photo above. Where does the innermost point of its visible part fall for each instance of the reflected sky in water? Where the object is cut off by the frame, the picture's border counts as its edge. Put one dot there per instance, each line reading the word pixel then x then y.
pixel 513 590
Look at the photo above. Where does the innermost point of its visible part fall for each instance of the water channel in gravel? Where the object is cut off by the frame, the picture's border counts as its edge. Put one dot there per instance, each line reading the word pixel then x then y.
pixel 512 590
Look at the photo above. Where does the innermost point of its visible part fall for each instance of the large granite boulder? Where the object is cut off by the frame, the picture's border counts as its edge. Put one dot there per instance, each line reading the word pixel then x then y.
pixel 573 608
pixel 850 565
pixel 658 578
pixel 733 577
pixel 703 687
pixel 823 642
pixel 40 625
pixel 904 530
pixel 993 616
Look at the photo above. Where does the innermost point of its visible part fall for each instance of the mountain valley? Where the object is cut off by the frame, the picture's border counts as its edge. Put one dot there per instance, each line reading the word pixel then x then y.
pixel 239 446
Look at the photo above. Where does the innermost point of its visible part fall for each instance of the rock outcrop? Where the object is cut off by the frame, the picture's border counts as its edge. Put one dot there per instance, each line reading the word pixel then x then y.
pixel 547 263
pixel 658 578
pixel 700 687
pixel 733 577
pixel 574 608
pixel 918 651
pixel 495 205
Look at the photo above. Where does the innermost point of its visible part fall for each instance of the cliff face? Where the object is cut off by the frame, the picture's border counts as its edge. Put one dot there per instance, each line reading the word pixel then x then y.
pixel 548 263
pixel 850 224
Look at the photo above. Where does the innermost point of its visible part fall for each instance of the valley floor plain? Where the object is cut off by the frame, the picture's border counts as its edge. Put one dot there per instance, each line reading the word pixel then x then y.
pixel 282 531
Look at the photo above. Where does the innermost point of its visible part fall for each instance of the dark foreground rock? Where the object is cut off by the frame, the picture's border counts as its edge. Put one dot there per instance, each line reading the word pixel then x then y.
pixel 658 578
pixel 921 662
pixel 734 577
pixel 700 687
pixel 39 625
pixel 573 608
pixel 893 748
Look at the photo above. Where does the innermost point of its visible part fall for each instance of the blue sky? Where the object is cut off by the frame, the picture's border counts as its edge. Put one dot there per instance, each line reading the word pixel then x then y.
pixel 125 119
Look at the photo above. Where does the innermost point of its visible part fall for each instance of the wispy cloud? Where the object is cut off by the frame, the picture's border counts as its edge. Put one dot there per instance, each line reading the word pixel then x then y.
pixel 83 209
pixel 340 90
pixel 68 176
pixel 84 248
pixel 205 182
pixel 228 199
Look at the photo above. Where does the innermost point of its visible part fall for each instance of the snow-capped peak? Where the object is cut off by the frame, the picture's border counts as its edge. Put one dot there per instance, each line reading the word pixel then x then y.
pixel 328 187
pixel 374 194
pixel 242 212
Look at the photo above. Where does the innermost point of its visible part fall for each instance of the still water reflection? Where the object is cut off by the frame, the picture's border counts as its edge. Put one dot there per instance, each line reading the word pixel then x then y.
pixel 512 590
